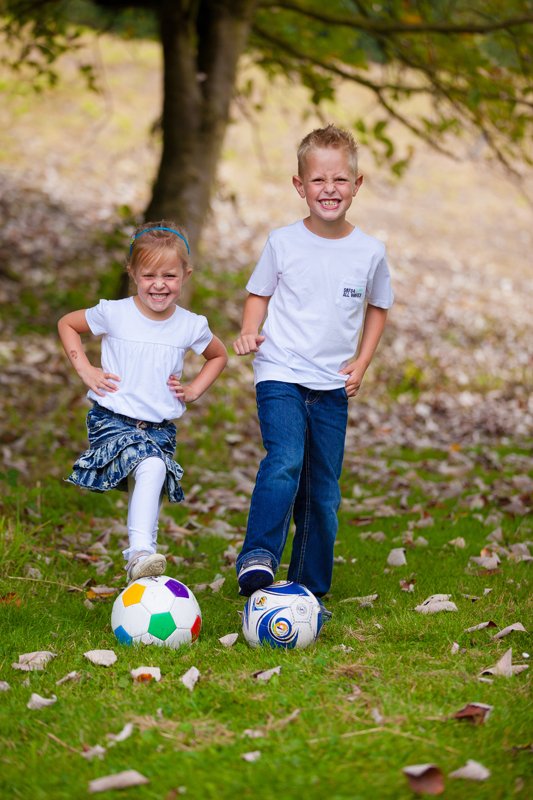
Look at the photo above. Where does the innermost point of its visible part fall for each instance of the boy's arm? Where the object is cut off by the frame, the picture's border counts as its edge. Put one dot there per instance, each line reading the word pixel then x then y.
pixel 216 359
pixel 249 340
pixel 70 327
pixel 374 324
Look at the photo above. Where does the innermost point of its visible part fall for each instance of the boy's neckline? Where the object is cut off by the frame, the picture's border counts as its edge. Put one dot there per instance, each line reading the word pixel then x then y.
pixel 303 223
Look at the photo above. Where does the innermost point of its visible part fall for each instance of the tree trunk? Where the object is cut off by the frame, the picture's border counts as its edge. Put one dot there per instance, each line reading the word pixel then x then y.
pixel 201 48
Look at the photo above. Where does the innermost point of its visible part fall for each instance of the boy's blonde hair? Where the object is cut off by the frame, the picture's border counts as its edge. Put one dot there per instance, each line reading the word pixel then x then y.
pixel 330 136
pixel 150 241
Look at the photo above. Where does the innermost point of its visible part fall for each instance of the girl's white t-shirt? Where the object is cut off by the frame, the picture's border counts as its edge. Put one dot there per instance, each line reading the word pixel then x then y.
pixel 318 291
pixel 144 353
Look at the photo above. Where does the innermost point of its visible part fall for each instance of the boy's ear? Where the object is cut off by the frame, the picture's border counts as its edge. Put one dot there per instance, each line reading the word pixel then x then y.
pixel 358 184
pixel 298 185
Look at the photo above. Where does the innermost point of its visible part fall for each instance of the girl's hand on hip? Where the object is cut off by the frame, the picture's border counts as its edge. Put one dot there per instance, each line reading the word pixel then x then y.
pixel 98 381
pixel 181 391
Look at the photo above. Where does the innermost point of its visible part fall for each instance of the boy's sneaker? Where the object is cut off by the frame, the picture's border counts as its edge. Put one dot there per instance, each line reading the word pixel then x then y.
pixel 326 614
pixel 145 565
pixel 256 573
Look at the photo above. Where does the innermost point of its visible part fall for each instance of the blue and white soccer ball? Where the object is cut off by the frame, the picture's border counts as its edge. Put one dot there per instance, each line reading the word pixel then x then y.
pixel 285 614
pixel 158 610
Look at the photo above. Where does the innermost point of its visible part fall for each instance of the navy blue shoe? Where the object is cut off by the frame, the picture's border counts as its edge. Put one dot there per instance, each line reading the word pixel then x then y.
pixel 255 573
pixel 326 614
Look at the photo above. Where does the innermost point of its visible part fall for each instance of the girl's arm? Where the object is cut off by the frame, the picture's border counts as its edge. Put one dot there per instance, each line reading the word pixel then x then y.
pixel 70 327
pixel 255 309
pixel 375 319
pixel 216 359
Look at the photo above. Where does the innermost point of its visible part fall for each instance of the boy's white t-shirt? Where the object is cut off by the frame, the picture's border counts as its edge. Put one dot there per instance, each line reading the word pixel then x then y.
pixel 318 291
pixel 144 353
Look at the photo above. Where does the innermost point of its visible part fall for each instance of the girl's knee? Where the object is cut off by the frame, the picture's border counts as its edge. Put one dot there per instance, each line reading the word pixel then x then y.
pixel 152 468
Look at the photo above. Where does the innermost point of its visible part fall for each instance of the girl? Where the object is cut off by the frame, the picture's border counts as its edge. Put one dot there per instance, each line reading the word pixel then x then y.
pixel 137 391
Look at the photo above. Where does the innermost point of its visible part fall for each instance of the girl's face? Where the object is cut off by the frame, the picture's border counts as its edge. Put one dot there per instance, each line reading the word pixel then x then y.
pixel 159 286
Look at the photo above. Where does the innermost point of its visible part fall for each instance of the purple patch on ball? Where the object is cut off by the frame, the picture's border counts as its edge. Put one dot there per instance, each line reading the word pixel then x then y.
pixel 178 589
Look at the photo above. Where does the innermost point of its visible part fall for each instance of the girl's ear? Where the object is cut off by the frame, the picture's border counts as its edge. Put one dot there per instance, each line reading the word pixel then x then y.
pixel 131 274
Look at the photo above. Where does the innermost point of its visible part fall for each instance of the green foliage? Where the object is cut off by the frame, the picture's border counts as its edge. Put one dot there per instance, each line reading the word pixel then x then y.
pixel 470 62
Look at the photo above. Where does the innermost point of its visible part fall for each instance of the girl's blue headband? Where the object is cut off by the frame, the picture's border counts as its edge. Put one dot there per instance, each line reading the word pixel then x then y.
pixel 159 228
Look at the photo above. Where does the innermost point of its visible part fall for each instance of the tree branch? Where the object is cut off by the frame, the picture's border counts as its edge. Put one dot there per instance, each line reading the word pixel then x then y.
pixel 377 89
pixel 370 25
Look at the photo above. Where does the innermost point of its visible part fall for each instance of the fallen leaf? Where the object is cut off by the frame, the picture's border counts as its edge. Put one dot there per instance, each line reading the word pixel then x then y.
pixel 103 658
pixel 454 648
pixel 435 603
pixel 407 585
pixel 229 639
pixel 146 674
pixel 478 713
pixel 4 686
pixel 489 563
pixel 217 584
pixel 29 662
pixel 472 771
pixel 94 752
pixel 253 734
pixel 124 734
pixel 120 780
pixel 365 602
pixel 396 557
pixel 36 701
pixel 458 542
pixel 100 592
pixel 11 598
pixel 425 778
pixel 70 676
pixel 516 626
pixel 266 675
pixel 190 678
pixel 480 626
pixel 505 666
pixel 251 757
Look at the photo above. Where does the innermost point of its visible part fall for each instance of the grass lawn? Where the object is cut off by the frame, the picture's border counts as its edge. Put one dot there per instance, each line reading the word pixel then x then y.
pixel 376 693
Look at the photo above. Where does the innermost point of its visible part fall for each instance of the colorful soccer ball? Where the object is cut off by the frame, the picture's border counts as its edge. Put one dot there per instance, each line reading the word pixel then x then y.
pixel 159 611
pixel 285 614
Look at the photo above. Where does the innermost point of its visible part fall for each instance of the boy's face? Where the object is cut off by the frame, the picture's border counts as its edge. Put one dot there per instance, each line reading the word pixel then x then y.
pixel 328 185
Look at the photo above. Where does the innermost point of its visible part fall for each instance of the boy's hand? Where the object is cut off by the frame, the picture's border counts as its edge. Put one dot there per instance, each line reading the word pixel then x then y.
pixel 247 343
pixel 183 392
pixel 99 381
pixel 356 372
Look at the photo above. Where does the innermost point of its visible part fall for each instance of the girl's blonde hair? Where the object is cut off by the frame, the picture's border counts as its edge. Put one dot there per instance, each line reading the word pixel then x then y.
pixel 330 136
pixel 152 240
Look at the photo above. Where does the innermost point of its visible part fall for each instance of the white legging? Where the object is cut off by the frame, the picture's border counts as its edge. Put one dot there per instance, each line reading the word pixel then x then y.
pixel 145 485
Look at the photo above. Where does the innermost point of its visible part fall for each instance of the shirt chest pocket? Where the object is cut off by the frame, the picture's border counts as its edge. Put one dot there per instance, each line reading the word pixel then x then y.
pixel 350 294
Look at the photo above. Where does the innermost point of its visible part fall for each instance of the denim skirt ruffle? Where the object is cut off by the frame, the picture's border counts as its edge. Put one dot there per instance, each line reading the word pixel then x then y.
pixel 117 444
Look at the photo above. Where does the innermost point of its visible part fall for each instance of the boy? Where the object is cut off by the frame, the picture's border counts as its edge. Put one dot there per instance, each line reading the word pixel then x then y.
pixel 314 277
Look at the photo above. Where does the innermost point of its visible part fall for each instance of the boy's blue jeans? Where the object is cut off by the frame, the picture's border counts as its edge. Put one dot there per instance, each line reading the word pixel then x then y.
pixel 303 434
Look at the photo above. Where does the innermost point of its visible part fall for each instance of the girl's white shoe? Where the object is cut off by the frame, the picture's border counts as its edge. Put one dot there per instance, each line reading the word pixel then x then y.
pixel 145 565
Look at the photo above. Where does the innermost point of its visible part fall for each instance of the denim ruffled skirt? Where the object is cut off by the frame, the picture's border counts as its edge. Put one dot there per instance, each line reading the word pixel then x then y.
pixel 117 444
